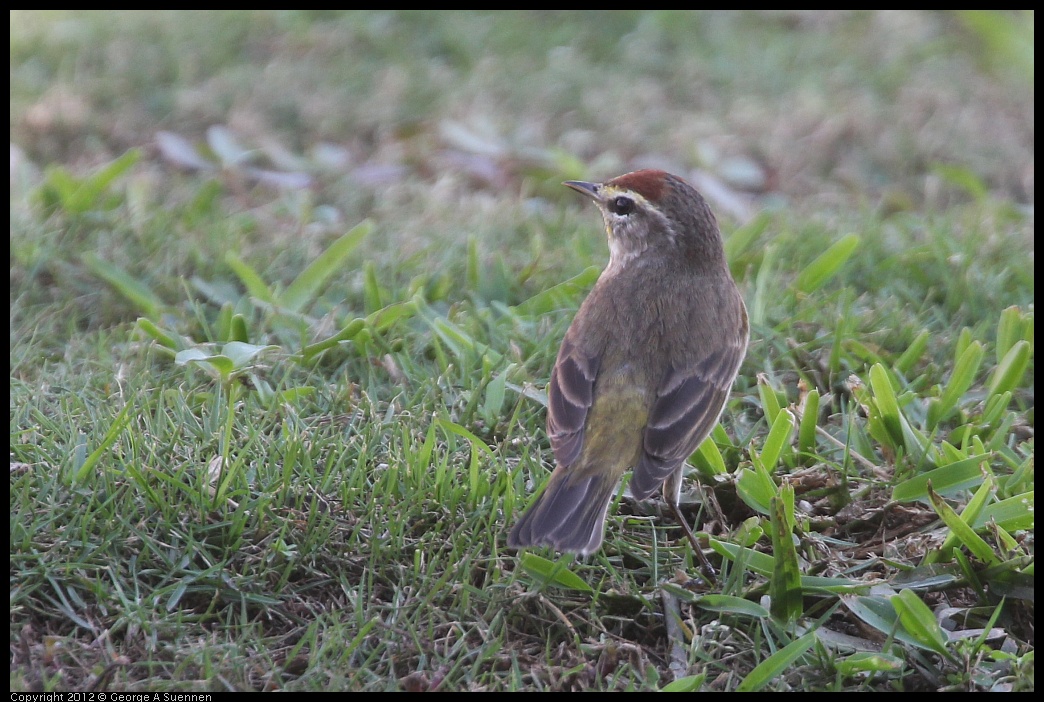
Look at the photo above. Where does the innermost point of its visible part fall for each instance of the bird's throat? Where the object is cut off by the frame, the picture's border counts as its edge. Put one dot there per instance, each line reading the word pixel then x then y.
pixel 622 254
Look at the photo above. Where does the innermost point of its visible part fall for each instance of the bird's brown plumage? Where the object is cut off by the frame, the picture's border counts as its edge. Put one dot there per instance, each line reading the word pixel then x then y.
pixel 646 366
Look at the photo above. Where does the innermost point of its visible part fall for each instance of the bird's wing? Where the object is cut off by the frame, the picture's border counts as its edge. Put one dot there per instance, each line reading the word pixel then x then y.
pixel 687 406
pixel 569 397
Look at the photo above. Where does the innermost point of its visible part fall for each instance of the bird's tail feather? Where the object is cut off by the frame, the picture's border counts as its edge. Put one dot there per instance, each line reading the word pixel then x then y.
pixel 568 516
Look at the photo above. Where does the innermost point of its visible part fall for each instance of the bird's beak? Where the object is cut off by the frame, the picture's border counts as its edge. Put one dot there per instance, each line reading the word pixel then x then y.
pixel 588 189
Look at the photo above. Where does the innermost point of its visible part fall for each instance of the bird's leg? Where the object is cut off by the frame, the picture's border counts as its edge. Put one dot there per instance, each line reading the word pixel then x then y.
pixel 672 495
pixel 708 569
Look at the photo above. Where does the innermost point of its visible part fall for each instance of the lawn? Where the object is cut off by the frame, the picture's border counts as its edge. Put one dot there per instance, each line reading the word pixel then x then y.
pixel 287 287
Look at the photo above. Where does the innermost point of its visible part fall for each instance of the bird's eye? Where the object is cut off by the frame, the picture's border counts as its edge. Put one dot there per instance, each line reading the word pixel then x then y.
pixel 621 205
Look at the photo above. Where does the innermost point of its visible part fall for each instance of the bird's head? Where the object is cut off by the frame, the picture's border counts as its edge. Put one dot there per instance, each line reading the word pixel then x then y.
pixel 651 214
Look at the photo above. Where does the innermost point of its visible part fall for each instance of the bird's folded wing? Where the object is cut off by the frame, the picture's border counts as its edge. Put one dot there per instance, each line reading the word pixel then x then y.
pixel 569 397
pixel 687 406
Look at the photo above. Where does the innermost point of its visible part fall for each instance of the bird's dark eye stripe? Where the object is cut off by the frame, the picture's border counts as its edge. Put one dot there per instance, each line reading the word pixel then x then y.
pixel 621 205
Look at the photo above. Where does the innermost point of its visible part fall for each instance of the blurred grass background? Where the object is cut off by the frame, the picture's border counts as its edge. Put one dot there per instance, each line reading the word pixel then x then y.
pixel 189 515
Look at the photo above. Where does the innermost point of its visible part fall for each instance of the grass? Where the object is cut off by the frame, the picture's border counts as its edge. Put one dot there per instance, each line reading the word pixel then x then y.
pixel 286 289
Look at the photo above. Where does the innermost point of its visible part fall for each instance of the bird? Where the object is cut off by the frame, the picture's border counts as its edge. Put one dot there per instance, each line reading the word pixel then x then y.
pixel 646 365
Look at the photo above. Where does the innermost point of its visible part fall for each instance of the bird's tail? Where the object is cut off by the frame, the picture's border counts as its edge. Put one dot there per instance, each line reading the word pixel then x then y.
pixel 568 516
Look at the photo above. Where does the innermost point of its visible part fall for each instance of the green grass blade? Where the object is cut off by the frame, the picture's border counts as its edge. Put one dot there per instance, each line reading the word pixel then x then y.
pixel 969 515
pixel 964 533
pixel 914 352
pixel 554 573
pixel 785 583
pixel 1012 368
pixel 809 420
pixel 165 339
pixel 311 279
pixel 741 238
pixel 120 423
pixel 756 487
pixel 769 399
pixel 816 274
pixel 886 402
pixel 961 380
pixel 1010 328
pixel 254 284
pixel 708 459
pixel 689 683
pixel 919 621
pixel 349 332
pixel 1013 514
pixel 136 292
pixel 777 440
pixel 554 298
pixel 454 428
pixel 947 480
pixel 766 671
pixel 728 604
